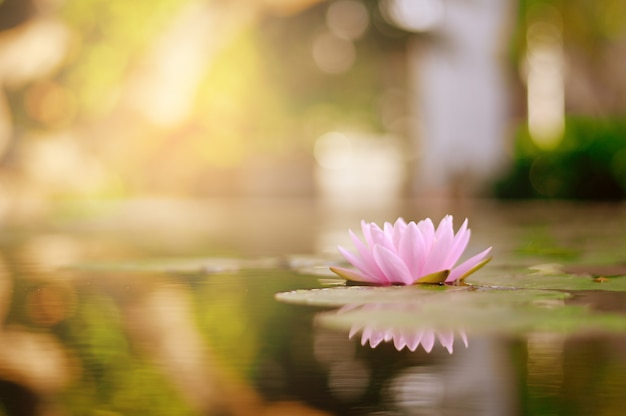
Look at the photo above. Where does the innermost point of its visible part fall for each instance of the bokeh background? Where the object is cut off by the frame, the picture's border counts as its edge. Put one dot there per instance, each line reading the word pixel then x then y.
pixel 221 126
pixel 360 100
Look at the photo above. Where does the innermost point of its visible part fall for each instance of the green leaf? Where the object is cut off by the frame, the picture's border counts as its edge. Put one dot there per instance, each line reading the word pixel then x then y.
pixel 492 317
pixel 475 268
pixel 568 282
pixel 339 296
pixel 434 278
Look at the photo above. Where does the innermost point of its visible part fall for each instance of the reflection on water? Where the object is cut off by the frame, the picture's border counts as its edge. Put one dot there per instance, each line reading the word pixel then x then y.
pixel 405 336
pixel 181 338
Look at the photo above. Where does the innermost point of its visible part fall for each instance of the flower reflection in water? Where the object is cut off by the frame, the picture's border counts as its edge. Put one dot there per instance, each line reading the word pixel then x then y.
pixel 403 334
pixel 410 339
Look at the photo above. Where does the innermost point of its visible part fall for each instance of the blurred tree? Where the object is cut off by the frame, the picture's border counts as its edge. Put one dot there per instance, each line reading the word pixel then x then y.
pixel 586 160
pixel 594 39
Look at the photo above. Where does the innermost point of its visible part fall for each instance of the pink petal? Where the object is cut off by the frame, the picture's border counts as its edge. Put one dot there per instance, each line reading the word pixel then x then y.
pixel 353 331
pixel 428 340
pixel 362 249
pixel 398 341
pixel 355 276
pixel 366 254
pixel 392 266
pixel 442 240
pixel 458 245
pixel 412 340
pixel 355 260
pixel 388 230
pixel 463 337
pixel 445 228
pixel 446 338
pixel 366 227
pixel 399 228
pixel 375 337
pixel 427 229
pixel 380 238
pixel 411 250
pixel 467 265
pixel 400 224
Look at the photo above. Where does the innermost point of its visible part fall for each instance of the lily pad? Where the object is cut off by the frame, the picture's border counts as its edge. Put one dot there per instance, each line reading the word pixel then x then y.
pixel 408 309
pixel 447 297
pixel 339 296
pixel 480 318
pixel 596 270
pixel 566 282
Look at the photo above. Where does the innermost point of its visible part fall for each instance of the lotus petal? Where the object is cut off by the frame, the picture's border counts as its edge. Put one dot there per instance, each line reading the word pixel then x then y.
pixel 409 253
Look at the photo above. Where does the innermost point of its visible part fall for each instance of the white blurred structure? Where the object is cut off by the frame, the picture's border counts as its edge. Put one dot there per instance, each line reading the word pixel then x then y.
pixel 458 89
pixel 356 168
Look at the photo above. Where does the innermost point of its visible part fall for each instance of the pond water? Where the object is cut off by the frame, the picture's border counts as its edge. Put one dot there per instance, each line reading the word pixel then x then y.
pixel 228 308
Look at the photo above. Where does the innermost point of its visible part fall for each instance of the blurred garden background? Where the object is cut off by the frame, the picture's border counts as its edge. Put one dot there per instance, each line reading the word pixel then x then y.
pixel 352 99
pixel 221 126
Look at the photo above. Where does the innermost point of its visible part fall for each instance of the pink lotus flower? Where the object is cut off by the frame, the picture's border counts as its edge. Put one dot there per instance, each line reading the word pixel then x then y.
pixel 410 253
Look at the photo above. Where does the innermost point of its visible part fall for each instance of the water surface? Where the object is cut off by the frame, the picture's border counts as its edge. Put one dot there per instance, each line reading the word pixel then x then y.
pixel 170 308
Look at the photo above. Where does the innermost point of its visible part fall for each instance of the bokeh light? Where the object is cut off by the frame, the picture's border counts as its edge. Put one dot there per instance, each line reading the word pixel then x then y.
pixel 347 19
pixel 414 15
pixel 333 54
pixel 184 98
pixel 545 78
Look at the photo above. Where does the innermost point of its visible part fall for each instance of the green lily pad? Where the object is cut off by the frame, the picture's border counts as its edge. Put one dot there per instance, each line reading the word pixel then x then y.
pixel 547 280
pixel 478 266
pixel 448 297
pixel 493 317
pixel 344 295
pixel 407 309
pixel 434 278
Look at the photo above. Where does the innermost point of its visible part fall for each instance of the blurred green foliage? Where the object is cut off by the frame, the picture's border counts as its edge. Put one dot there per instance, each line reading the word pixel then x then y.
pixel 115 377
pixel 588 164
pixel 587 25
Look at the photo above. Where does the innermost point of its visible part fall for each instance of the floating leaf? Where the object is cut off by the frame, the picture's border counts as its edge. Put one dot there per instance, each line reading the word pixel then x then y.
pixel 597 270
pixel 567 282
pixel 447 296
pixel 391 310
pixel 478 266
pixel 434 278
pixel 483 317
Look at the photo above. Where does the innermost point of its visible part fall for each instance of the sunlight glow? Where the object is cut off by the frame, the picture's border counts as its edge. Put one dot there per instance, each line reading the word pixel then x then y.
pixel 32 51
pixel 165 89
